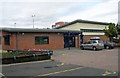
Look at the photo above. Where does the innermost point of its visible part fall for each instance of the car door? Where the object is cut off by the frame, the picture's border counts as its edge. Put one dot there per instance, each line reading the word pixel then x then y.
pixel 85 45
pixel 89 45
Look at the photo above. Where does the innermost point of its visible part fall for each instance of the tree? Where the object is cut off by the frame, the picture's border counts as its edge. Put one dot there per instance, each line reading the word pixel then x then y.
pixel 118 28
pixel 111 31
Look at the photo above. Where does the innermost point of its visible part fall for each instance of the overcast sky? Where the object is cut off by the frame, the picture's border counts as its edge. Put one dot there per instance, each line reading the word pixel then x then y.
pixel 47 12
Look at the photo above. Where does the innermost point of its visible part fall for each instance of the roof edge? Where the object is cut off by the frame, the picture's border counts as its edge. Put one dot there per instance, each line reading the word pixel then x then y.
pixel 83 21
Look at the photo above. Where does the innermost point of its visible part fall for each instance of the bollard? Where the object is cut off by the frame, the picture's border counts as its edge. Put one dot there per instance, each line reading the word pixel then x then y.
pixel 34 55
pixel 14 57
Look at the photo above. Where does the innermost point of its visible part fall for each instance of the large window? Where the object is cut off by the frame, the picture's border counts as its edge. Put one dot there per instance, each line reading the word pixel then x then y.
pixel 7 40
pixel 41 40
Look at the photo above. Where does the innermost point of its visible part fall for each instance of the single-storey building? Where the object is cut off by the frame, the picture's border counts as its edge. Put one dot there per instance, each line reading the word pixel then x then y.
pixel 89 28
pixel 19 38
pixel 69 35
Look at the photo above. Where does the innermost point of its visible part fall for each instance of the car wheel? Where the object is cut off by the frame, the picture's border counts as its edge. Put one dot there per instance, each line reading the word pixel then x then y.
pixel 94 48
pixel 82 48
pixel 107 47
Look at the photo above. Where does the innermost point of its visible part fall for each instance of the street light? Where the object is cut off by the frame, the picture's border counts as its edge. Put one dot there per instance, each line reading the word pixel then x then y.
pixel 33 20
pixel 15 25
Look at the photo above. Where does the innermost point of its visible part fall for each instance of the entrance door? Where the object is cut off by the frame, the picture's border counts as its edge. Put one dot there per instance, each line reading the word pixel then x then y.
pixel 69 41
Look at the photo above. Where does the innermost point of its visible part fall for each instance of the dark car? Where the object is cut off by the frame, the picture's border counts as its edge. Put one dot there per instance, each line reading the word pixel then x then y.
pixel 108 45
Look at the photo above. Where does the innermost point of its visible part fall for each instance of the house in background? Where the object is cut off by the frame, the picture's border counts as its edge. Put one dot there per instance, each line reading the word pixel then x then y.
pixel 89 28
pixel 58 24
pixel 19 38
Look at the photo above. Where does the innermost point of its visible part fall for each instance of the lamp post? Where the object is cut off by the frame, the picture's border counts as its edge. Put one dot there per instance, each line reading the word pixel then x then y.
pixel 33 20
pixel 15 25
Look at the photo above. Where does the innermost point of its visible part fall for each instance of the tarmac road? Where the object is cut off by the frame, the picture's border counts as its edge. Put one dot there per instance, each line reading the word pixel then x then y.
pixel 51 68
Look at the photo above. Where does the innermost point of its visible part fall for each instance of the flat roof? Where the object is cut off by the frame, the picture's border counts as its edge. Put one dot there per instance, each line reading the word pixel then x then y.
pixel 36 30
pixel 83 21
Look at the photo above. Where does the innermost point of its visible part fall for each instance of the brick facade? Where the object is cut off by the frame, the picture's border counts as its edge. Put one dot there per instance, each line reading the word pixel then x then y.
pixel 87 37
pixel 27 41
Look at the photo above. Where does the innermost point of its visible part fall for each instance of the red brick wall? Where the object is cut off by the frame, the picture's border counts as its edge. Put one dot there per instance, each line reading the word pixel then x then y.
pixel 102 37
pixel 27 41
pixel 3 45
pixel 86 38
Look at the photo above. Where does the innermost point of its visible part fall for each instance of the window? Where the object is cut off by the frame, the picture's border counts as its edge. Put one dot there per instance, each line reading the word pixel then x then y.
pixel 91 30
pixel 7 40
pixel 94 41
pixel 41 40
pixel 0 39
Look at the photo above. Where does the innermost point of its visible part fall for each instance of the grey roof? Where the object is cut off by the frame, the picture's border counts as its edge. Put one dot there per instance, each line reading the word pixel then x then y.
pixel 83 21
pixel 36 30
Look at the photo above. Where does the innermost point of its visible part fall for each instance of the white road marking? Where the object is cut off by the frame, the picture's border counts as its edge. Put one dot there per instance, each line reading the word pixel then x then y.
pixel 1 75
pixel 25 63
pixel 108 73
pixel 61 71
pixel 60 64
pixel 63 54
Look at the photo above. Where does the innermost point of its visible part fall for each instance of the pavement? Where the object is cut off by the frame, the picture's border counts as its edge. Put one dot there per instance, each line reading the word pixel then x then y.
pixel 106 59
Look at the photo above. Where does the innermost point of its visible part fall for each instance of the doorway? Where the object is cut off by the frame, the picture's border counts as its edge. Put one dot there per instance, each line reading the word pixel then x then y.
pixel 69 41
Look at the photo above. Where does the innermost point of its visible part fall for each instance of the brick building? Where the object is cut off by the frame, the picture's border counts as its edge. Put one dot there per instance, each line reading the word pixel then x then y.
pixel 63 36
pixel 18 38
pixel 58 24
pixel 89 28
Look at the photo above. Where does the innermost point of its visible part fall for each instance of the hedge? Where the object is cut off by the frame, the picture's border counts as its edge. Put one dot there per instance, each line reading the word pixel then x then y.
pixel 116 40
pixel 18 59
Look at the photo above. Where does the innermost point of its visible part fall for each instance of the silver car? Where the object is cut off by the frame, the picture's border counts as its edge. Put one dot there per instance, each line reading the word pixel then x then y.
pixel 92 44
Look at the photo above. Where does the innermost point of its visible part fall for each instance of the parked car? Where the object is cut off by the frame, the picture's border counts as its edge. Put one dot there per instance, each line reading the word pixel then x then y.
pixel 108 45
pixel 117 45
pixel 92 44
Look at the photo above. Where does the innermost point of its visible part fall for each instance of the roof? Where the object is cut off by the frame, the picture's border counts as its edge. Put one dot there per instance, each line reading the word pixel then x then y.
pixel 83 21
pixel 34 30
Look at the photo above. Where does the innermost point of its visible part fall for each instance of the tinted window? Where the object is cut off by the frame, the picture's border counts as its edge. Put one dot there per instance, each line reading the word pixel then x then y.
pixel 41 40
pixel 7 40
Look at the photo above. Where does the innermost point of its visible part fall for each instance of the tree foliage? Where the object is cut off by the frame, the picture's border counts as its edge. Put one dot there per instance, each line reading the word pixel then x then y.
pixel 111 31
pixel 118 28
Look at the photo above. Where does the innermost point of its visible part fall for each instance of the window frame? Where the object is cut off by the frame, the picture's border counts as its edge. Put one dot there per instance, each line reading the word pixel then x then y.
pixel 41 40
pixel 7 39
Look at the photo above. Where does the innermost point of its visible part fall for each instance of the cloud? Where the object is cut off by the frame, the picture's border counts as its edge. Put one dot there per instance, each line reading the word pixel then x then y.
pixel 48 12
pixel 50 0
pixel 21 13
pixel 101 10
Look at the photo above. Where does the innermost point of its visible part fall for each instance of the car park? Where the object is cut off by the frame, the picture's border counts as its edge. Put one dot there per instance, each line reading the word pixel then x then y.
pixel 92 44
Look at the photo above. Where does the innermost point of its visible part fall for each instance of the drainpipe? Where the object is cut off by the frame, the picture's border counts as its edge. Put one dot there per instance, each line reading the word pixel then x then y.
pixel 68 40
pixel 81 37
pixel 17 40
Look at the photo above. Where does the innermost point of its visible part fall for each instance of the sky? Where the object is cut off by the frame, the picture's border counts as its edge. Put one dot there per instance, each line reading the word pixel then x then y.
pixel 18 13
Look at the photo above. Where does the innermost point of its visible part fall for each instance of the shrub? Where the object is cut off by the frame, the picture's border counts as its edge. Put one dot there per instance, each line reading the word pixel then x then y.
pixel 116 40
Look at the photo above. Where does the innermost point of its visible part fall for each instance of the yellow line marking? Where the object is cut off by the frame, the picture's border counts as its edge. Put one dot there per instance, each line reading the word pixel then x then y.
pixel 26 63
pixel 108 73
pixel 61 71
